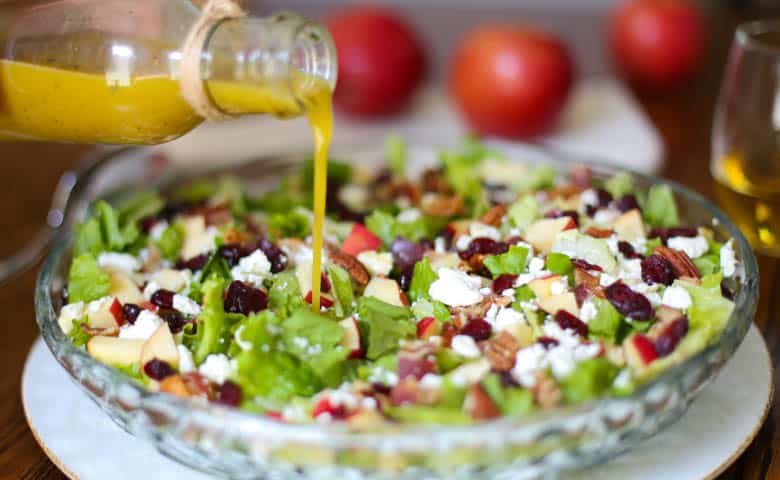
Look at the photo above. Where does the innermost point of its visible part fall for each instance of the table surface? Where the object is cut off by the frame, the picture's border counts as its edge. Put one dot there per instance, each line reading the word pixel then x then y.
pixel 30 171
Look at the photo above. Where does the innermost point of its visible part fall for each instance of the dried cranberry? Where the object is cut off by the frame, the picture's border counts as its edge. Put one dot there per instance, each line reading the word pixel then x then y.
pixel 668 339
pixel 426 244
pixel 507 380
pixel 567 321
pixel 604 197
pixel 158 369
pixel 381 388
pixel 229 394
pixel 477 329
pixel 324 283
pixel 447 233
pixel 275 255
pixel 504 282
pixel 483 246
pixel 414 367
pixel 325 302
pixel 557 213
pixel 583 265
pixel 628 302
pixel 591 210
pixel 172 209
pixel 726 291
pixel 147 223
pixel 406 252
pixel 628 250
pixel 626 203
pixel 405 277
pixel 657 269
pixel 231 252
pixel 582 292
pixel 174 318
pixel 547 342
pixel 194 263
pixel 163 298
pixel 666 233
pixel 130 312
pixel 244 298
pixel 514 240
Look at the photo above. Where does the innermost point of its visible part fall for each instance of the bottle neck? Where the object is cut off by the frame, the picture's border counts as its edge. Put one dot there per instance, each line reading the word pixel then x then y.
pixel 279 65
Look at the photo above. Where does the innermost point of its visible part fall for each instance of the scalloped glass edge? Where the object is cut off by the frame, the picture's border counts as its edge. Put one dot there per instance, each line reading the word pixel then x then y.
pixel 238 444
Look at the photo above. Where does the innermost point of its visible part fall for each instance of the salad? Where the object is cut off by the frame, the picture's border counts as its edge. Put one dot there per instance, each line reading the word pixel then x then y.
pixel 483 288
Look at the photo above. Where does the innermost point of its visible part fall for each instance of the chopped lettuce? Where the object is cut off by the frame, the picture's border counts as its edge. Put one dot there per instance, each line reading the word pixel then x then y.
pixel 315 341
pixel 659 208
pixel 285 296
pixel 395 154
pixel 275 375
pixel 383 325
pixel 86 280
pixel 89 238
pixel 338 172
pixel 230 191
pixel 212 322
pixel 709 309
pixel 512 262
pixel 170 242
pixel 523 212
pixel 77 335
pixel 593 250
pixel 103 232
pixel 619 184
pixel 540 177
pixel 559 264
pixel 424 307
pixel 422 278
pixel 607 322
pixel 140 205
pixel 651 244
pixel 427 414
pixel 194 192
pixel 385 226
pixel 591 378
pixel 510 400
pixel 342 289
pixel 292 224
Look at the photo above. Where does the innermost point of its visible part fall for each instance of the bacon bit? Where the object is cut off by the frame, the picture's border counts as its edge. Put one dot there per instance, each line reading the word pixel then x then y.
pixel 599 232
pixel 501 350
pixel 494 215
pixel 349 263
pixel 479 310
pixel 586 285
pixel 680 261
pixel 479 405
pixel 666 315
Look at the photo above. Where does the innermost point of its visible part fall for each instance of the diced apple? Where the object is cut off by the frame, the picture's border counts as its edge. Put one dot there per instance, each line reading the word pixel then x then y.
pixel 99 314
pixel 351 340
pixel 542 286
pixel 196 237
pixel 443 260
pixel 479 405
pixel 303 275
pixel 629 226
pixel 170 279
pixel 523 333
pixel 161 346
pixel 541 234
pixel 385 289
pixel 116 311
pixel 499 172
pixel 639 351
pixel 114 350
pixel 459 227
pixel 591 249
pixel 69 313
pixel 360 240
pixel 564 301
pixel 124 288
pixel 325 299
pixel 428 327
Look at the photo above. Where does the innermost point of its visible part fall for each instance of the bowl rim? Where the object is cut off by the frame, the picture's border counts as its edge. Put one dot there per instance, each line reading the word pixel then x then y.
pixel 336 434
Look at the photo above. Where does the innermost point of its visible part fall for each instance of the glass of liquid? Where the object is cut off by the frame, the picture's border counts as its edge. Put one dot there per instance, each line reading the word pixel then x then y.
pixel 746 135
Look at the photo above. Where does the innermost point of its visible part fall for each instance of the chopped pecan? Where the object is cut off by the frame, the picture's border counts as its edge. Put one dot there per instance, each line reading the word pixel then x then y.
pixel 546 392
pixel 395 188
pixel 478 310
pixel 479 405
pixel 215 215
pixel 476 262
pixel 433 181
pixel 501 350
pixel 175 385
pixel 565 191
pixel 448 330
pixel 441 205
pixel 234 236
pixel 680 261
pixel 599 232
pixel 494 215
pixel 104 332
pixel 349 263
pixel 586 285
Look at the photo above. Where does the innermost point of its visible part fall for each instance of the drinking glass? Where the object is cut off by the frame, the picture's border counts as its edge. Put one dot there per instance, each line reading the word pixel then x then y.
pixel 746 135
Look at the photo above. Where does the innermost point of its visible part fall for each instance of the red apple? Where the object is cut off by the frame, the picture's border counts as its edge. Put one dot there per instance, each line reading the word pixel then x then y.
pixel 657 43
pixel 640 351
pixel 360 240
pixel 116 311
pixel 511 81
pixel 416 367
pixel 351 340
pixel 428 327
pixel 381 60
pixel 325 300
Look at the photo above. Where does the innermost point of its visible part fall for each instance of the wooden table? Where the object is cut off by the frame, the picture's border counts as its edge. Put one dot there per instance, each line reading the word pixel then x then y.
pixel 28 173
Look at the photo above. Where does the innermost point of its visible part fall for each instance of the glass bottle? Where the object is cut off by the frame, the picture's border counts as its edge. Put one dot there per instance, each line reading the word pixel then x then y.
pixel 107 71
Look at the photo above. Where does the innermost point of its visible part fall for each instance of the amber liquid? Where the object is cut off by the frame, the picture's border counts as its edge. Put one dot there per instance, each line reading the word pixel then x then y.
pixel 749 193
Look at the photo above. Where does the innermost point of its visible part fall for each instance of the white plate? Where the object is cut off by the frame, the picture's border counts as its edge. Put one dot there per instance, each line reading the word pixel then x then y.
pixel 85 444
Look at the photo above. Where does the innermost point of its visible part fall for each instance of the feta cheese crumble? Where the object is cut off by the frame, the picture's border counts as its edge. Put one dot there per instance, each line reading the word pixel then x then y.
pixel 588 311
pixel 465 346
pixel 252 269
pixel 186 305
pixel 123 262
pixel 217 368
pixel 677 297
pixel 481 230
pixel 409 215
pixel 456 288
pixel 694 247
pixel 144 327
pixel 186 363
pixel 376 263
pixel 728 261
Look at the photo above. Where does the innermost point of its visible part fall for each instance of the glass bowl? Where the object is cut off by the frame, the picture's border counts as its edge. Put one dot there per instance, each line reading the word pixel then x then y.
pixel 237 444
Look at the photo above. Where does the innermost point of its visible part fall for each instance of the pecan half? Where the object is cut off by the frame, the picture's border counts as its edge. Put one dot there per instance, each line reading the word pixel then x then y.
pixel 501 350
pixel 234 236
pixel 599 232
pixel 433 181
pixel 479 405
pixel 175 385
pixel 680 261
pixel 565 191
pixel 349 263
pixel 494 215
pixel 441 205
pixel 463 314
pixel 586 285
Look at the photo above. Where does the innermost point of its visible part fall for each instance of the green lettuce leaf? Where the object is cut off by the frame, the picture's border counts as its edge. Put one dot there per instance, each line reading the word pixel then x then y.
pixel 424 307
pixel 77 335
pixel 140 205
pixel 89 238
pixel 212 322
pixel 86 280
pixel 523 212
pixel 422 278
pixel 607 322
pixel 395 154
pixel 170 242
pixel 292 224
pixel 591 378
pixel 660 208
pixel 342 289
pixel 512 262
pixel 559 264
pixel 619 184
pixel 383 326
pixel 315 341
pixel 284 296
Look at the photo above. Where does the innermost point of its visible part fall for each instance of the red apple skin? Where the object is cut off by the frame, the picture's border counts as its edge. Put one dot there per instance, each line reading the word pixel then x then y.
pixel 657 44
pixel 645 348
pixel 510 81
pixel 325 301
pixel 428 327
pixel 381 61
pixel 360 240
pixel 116 311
